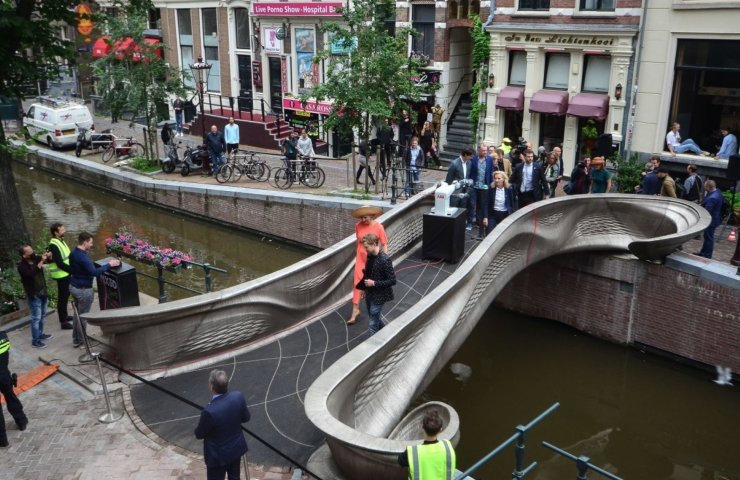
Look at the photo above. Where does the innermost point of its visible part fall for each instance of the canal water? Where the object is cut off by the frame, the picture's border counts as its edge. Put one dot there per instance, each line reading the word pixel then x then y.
pixel 47 199
pixel 638 415
pixel 641 416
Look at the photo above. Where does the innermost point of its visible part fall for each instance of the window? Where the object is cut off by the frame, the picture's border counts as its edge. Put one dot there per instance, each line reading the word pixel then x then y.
pixel 556 71
pixel 210 42
pixel 423 22
pixel 517 68
pixel 241 20
pixel 596 73
pixel 597 5
pixel 185 39
pixel 534 4
pixel 387 13
pixel 154 19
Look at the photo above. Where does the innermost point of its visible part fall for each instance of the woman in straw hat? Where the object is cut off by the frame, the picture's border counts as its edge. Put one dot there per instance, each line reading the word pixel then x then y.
pixel 601 179
pixel 367 224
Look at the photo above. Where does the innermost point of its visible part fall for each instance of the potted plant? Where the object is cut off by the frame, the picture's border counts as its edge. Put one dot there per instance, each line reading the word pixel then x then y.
pixel 589 134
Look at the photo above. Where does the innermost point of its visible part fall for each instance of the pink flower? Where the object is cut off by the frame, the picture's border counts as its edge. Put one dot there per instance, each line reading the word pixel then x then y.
pixel 176 261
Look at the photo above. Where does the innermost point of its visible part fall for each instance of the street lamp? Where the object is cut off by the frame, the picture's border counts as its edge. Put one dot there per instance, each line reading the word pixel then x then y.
pixel 201 70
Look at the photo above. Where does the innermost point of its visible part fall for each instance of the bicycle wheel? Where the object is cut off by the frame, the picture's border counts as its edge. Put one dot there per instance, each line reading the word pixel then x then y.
pixel 283 178
pixel 108 153
pixel 265 172
pixel 309 177
pixel 224 173
pixel 255 171
pixel 137 150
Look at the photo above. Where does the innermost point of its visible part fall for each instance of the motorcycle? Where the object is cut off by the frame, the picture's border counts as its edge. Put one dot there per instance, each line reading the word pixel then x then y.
pixel 88 138
pixel 192 159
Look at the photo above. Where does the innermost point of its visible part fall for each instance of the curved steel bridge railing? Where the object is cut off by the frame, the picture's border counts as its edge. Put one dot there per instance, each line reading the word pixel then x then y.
pixel 359 400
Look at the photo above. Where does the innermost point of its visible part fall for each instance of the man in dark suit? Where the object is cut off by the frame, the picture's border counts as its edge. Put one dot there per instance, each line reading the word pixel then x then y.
pixel 459 168
pixel 481 172
pixel 529 182
pixel 220 429
pixel 377 281
pixel 713 203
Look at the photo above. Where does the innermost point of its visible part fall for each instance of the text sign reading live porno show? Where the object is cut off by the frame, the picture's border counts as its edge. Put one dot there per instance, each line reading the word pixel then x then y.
pixel 299 9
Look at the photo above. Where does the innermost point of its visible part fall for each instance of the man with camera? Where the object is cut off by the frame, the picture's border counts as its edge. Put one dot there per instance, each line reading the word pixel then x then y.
pixel 31 270
pixel 529 181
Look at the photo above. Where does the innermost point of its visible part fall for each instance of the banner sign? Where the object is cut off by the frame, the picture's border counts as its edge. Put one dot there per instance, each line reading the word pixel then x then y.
pixel 310 107
pixel 296 9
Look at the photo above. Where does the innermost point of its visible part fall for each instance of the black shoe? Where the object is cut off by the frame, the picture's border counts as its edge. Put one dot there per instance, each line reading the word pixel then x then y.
pixel 46 336
pixel 4 443
pixel 22 425
pixel 67 326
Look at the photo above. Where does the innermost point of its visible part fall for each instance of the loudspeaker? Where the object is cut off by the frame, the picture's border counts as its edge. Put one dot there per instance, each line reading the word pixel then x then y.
pixel 604 145
pixel 733 167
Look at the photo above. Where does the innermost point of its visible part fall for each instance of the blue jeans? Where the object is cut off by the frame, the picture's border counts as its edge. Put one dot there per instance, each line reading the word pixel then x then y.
pixel 412 175
pixel 707 248
pixel 216 161
pixel 178 121
pixel 687 145
pixel 373 310
pixel 83 298
pixel 37 305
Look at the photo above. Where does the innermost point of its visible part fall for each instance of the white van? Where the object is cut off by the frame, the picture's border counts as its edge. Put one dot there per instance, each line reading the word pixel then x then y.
pixel 55 121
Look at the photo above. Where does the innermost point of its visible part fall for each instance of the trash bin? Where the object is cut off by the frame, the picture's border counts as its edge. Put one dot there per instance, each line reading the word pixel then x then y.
pixel 117 287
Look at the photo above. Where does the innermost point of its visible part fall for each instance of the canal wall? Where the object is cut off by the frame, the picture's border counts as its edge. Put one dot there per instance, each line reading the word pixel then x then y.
pixel 688 307
pixel 309 220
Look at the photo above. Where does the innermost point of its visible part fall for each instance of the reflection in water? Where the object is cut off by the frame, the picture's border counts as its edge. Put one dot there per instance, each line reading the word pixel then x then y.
pixel 47 199
pixel 637 415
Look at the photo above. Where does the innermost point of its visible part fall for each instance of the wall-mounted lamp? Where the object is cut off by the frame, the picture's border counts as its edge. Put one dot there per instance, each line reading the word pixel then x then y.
pixel 618 91
pixel 491 80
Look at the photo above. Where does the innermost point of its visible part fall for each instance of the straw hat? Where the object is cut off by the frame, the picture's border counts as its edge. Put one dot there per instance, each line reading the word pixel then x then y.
pixel 506 140
pixel 367 210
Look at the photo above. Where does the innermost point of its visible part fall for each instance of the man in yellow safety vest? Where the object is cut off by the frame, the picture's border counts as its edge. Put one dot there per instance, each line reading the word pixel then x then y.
pixel 15 408
pixel 434 459
pixel 59 270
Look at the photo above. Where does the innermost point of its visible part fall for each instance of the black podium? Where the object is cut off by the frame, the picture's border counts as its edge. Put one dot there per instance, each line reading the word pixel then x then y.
pixel 118 286
pixel 444 236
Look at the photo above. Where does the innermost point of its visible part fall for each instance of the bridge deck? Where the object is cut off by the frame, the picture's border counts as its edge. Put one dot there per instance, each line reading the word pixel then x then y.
pixel 275 377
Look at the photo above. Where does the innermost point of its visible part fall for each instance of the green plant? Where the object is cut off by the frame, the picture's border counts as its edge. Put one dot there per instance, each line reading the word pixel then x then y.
pixel 143 164
pixel 629 172
pixel 481 51
pixel 728 196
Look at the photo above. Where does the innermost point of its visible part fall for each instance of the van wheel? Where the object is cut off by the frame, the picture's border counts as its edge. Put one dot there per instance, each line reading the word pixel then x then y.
pixel 51 144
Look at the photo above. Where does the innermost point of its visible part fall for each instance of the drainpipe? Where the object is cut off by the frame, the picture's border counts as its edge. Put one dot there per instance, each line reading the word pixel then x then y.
pixel 630 114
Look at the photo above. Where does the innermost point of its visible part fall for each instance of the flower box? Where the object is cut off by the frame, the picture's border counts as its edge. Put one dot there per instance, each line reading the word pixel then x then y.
pixel 125 245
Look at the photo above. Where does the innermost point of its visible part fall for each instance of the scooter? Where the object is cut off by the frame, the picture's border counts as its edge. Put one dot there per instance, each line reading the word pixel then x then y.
pixel 192 159
pixel 87 138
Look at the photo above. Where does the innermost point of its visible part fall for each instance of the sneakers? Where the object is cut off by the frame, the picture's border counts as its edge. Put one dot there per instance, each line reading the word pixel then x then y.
pixel 469 227
pixel 38 344
pixel 66 326
pixel 76 344
pixel 46 336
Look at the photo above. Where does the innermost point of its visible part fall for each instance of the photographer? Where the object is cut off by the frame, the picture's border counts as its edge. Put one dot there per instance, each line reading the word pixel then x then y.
pixel 30 268
pixel 517 152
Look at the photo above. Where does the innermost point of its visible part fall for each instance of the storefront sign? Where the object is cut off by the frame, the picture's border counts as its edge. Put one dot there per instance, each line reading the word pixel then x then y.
pixel 257 74
pixel 424 79
pixel 561 40
pixel 84 19
pixel 284 75
pixel 270 41
pixel 310 107
pixel 296 9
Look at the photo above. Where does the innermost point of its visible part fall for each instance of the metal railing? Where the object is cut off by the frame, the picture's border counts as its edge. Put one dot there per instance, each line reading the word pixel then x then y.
pixel 519 437
pixel 583 464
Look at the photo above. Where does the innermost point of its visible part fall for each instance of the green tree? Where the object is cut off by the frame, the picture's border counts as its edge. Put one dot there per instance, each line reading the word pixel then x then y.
pixel 133 79
pixel 31 50
pixel 376 77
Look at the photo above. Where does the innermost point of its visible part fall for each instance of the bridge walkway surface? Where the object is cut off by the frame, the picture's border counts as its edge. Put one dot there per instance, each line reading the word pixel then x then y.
pixel 275 376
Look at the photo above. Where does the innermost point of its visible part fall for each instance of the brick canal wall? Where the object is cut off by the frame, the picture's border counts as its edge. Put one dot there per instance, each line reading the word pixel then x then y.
pixel 309 220
pixel 685 307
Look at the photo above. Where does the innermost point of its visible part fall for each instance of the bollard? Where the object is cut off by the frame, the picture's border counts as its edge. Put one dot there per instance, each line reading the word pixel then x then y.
pixel 207 268
pixel 110 416
pixel 160 282
pixel 394 179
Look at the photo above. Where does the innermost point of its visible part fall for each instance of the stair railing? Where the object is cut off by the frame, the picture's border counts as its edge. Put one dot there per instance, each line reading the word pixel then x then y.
pixel 455 98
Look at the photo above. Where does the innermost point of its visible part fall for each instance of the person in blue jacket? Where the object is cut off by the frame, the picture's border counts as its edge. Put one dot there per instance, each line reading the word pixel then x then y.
pixel 713 203
pixel 220 429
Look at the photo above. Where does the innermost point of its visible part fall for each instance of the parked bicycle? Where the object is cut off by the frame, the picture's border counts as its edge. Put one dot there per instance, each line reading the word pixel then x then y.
pixel 244 162
pixel 122 147
pixel 304 170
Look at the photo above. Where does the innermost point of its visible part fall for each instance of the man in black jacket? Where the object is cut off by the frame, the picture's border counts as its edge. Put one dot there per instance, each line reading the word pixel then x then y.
pixel 529 182
pixel 15 408
pixel 377 281
pixel 216 145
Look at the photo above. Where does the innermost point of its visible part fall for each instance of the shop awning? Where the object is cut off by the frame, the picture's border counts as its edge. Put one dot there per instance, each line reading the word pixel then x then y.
pixel 589 105
pixel 101 47
pixel 511 98
pixel 550 102
pixel 149 44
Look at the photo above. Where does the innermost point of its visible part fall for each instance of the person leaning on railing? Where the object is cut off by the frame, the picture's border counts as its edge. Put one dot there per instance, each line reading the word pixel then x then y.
pixel 434 459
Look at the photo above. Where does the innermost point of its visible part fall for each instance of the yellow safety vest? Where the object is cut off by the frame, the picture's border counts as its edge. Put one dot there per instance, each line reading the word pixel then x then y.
pixel 56 272
pixel 4 345
pixel 431 461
